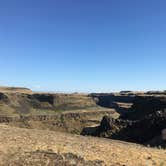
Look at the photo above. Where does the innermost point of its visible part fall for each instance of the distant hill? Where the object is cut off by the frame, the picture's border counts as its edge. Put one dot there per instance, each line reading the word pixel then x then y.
pixel 15 89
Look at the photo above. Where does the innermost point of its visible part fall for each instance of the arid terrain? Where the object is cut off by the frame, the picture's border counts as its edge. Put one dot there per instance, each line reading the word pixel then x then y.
pixel 124 128
pixel 42 147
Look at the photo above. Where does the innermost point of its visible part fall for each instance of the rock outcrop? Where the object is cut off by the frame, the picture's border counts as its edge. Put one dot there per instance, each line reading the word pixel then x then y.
pixel 139 131
pixel 145 105
pixel 67 121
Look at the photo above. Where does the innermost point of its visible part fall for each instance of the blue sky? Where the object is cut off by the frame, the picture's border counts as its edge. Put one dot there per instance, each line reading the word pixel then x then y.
pixel 83 45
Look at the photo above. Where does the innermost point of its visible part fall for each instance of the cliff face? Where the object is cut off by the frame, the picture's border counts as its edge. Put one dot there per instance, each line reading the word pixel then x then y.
pixel 17 102
pixel 110 100
pixel 24 103
pixel 120 102
pixel 69 121
pixel 59 112
pixel 132 106
pixel 142 123
pixel 144 105
pixel 73 112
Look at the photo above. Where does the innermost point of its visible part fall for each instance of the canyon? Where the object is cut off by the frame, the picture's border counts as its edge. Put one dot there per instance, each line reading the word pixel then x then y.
pixel 95 121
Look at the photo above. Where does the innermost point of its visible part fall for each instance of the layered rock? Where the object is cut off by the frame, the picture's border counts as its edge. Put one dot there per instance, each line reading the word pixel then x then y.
pixel 144 105
pixel 139 131
pixel 25 103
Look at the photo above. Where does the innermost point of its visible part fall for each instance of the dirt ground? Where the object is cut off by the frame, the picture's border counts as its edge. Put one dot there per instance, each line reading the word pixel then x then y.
pixel 41 147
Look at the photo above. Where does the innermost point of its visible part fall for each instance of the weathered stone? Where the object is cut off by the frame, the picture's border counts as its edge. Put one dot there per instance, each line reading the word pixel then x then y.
pixel 164 134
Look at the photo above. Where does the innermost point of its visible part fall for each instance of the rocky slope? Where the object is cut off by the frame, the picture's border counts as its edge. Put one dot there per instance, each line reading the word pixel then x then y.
pixel 147 131
pixel 58 112
pixel 144 105
pixel 122 102
pixel 143 122
pixel 24 103
pixel 21 147
pixel 68 121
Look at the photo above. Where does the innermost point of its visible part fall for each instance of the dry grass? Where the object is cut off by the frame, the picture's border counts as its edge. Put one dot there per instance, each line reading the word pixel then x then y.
pixel 6 89
pixel 16 141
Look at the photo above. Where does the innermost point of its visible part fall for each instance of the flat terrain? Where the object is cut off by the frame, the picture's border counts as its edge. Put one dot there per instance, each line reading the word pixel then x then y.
pixel 6 89
pixel 41 147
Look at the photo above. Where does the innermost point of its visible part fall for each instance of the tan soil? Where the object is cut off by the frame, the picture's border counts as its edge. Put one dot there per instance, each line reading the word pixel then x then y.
pixel 15 142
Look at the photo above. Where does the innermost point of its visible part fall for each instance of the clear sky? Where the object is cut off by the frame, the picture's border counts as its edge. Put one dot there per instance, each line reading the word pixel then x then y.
pixel 83 45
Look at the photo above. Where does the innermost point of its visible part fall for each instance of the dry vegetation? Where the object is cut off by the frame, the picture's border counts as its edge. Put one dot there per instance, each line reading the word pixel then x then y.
pixel 14 90
pixel 27 146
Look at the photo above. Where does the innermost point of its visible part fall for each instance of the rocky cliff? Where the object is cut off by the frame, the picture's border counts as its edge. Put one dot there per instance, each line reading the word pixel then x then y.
pixel 17 103
pixel 142 123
